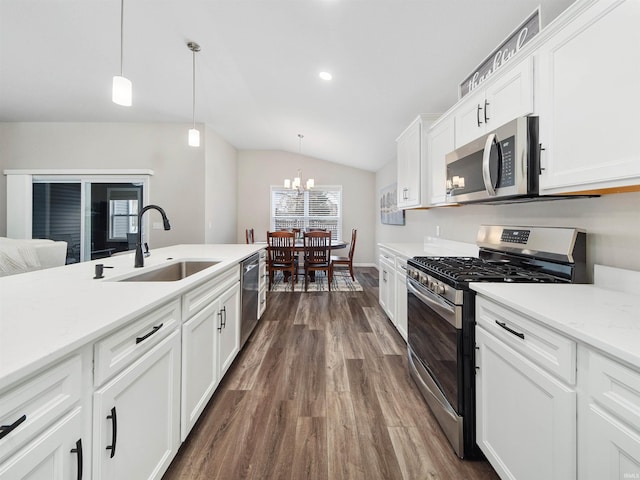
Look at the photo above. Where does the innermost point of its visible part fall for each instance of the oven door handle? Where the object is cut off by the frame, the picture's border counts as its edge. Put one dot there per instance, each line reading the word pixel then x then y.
pixel 486 170
pixel 439 305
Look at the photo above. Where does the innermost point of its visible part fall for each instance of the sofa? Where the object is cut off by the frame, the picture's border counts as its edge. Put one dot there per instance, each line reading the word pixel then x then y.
pixel 26 255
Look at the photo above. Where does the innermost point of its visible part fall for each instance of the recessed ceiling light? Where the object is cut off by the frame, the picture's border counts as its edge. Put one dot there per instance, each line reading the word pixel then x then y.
pixel 325 76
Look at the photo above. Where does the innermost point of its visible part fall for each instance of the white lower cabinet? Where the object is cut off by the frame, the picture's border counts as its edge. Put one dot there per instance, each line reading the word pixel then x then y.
pixel 210 342
pixel 608 419
pixel 401 296
pixel 387 284
pixel 525 415
pixel 55 454
pixel 136 416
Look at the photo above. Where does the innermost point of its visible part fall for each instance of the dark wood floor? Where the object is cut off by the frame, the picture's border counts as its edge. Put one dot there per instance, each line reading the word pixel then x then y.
pixel 321 391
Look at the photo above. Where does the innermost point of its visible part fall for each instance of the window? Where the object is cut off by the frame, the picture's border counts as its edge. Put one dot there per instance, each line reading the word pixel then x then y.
pixel 320 207
pixel 123 212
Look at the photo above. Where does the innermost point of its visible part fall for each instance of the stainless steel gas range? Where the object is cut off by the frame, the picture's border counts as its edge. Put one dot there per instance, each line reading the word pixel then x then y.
pixel 441 312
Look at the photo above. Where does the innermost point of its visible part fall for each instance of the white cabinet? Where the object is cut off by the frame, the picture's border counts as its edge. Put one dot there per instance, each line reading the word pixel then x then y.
pixel 589 100
pixel 401 296
pixel 45 430
pixel 608 418
pixel 387 284
pixel 136 416
pixel 412 172
pixel 210 342
pixel 525 413
pixel 440 141
pixel 509 95
pixel 57 453
pixel 392 291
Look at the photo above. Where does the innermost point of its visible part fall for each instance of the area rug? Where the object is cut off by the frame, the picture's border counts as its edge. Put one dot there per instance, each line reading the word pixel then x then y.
pixel 341 283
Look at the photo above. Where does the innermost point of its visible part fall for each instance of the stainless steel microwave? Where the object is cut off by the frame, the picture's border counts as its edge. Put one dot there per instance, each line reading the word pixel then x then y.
pixel 500 166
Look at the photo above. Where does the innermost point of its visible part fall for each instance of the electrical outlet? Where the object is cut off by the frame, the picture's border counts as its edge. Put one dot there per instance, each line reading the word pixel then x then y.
pixel 437 230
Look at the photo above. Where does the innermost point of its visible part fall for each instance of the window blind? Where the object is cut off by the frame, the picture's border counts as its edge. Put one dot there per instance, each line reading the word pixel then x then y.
pixel 320 207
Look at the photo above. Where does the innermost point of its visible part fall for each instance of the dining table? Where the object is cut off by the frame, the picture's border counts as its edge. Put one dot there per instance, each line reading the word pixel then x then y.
pixel 299 247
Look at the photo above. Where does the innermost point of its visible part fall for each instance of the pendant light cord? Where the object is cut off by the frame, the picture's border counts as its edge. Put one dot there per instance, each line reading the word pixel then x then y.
pixel 194 89
pixel 121 35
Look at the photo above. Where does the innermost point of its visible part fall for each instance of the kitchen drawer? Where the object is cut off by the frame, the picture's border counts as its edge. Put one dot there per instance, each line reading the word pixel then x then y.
pixel 262 301
pixel 615 387
pixel 198 298
pixel 546 348
pixel 40 401
pixel 120 349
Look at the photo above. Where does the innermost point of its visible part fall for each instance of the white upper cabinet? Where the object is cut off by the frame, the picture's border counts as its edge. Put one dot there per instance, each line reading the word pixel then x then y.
pixel 412 169
pixel 440 141
pixel 589 100
pixel 509 95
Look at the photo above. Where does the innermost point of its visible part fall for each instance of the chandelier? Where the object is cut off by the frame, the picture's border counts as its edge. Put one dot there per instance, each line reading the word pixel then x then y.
pixel 297 183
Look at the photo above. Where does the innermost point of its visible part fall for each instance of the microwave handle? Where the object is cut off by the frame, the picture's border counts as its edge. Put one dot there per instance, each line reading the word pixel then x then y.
pixel 486 172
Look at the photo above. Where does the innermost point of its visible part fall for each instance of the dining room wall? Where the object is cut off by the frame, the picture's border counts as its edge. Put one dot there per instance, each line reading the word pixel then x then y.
pixel 259 169
pixel 612 222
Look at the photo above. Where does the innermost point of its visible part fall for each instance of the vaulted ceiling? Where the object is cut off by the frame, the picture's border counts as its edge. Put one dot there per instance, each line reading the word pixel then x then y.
pixel 257 73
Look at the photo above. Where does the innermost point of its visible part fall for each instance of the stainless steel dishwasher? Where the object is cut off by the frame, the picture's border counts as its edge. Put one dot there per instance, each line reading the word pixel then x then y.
pixel 249 285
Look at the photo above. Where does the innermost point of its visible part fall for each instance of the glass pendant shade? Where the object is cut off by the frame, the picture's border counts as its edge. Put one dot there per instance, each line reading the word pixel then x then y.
pixel 122 93
pixel 194 137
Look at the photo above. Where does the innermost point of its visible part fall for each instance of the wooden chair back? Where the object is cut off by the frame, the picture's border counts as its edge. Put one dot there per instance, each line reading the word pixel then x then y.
pixel 248 233
pixel 281 255
pixel 352 246
pixel 317 247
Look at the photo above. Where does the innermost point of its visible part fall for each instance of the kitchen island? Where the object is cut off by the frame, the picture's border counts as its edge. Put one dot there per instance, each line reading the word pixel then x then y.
pixel 101 365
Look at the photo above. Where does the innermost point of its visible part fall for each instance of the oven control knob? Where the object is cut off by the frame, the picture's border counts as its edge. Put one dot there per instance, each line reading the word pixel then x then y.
pixel 439 288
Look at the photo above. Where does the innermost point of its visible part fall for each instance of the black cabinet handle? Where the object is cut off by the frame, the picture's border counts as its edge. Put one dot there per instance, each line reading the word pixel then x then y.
pixel 114 431
pixel 224 322
pixel 78 450
pixel 7 429
pixel 486 117
pixel 478 114
pixel 144 337
pixel 220 315
pixel 504 325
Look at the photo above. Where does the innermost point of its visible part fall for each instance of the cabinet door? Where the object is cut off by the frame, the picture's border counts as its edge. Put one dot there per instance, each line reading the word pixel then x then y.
pixel 199 365
pixel 386 282
pixel 228 328
pixel 510 95
pixel 409 165
pixel 136 417
pixel 401 303
pixel 50 455
pixel 440 141
pixel 469 122
pixel 525 418
pixel 589 101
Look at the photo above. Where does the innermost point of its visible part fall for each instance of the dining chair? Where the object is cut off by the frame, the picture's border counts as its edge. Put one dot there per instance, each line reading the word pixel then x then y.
pixel 348 260
pixel 317 253
pixel 281 255
pixel 248 234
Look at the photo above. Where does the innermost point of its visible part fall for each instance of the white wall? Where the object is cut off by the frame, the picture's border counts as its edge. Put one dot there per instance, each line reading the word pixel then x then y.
pixel 259 169
pixel 220 189
pixel 178 183
pixel 612 222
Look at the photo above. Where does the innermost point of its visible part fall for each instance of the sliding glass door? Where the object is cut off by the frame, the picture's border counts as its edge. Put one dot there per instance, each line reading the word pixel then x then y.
pixel 97 217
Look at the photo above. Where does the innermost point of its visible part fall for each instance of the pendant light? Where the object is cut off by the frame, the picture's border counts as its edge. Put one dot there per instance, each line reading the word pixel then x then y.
pixel 194 133
pixel 297 183
pixel 122 91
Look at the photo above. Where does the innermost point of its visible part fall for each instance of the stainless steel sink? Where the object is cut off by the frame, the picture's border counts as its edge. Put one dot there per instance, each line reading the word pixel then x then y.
pixel 172 272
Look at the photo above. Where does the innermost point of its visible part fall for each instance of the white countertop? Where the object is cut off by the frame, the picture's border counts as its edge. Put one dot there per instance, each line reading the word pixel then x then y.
pixel 433 247
pixel 45 315
pixel 604 319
